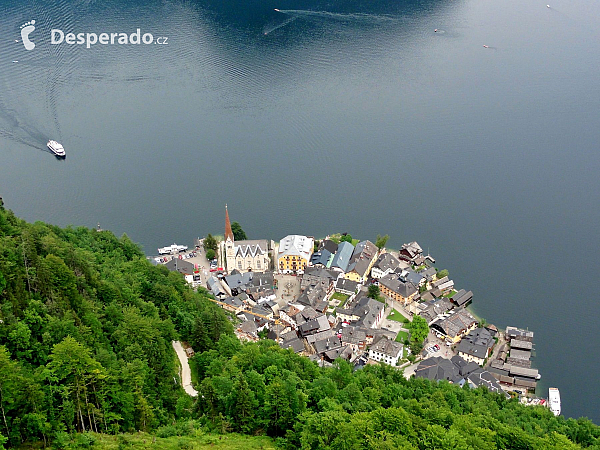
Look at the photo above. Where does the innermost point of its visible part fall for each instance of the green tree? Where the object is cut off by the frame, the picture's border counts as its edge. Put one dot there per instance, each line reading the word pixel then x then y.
pixel 238 233
pixel 418 330
pixel 373 292
pixel 244 405
pixel 72 365
pixel 210 242
pixel 10 383
pixel 210 254
pixel 2 283
pixel 346 238
pixel 381 241
pixel 442 273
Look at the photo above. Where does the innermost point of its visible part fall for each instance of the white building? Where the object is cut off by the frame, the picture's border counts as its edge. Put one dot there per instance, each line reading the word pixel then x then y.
pixel 386 351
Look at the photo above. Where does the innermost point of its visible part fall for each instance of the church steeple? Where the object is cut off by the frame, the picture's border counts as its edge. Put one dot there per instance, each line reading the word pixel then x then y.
pixel 228 232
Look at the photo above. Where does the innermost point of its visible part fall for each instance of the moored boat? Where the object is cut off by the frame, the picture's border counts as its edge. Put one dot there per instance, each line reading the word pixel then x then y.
pixel 554 400
pixel 172 249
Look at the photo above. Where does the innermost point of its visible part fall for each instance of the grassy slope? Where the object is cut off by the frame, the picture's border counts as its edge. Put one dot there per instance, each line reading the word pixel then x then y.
pixel 229 441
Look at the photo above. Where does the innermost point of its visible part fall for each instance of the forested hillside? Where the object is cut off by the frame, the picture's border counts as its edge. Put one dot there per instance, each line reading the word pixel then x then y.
pixel 255 388
pixel 85 338
pixel 85 332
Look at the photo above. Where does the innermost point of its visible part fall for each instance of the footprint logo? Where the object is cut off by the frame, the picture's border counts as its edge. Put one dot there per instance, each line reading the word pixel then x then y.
pixel 26 29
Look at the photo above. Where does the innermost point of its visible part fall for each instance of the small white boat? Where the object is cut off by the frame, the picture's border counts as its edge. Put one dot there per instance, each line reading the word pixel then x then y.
pixel 554 400
pixel 172 249
pixel 56 148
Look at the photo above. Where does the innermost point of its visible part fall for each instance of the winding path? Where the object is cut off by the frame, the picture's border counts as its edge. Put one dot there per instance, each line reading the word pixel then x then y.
pixel 185 373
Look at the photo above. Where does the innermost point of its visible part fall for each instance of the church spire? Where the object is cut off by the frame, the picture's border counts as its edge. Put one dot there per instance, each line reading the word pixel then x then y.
pixel 228 232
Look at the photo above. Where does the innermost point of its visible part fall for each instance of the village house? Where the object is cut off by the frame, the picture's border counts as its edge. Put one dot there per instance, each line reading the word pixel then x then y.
pixel 180 265
pixel 232 304
pixel 454 370
pixel 297 345
pixel 484 378
pixel 346 315
pixel 386 351
pixel 238 282
pixel 361 261
pixel 341 259
pixel 428 273
pixel 322 258
pixel 287 314
pixel 393 287
pixel 345 286
pixel 344 352
pixel 316 276
pixel 476 346
pixel 454 325
pixel 444 284
pixel 315 297
pixel 385 264
pixel 216 288
pixel 320 335
pixel 410 276
pixel 295 252
pixel 462 298
pixel 458 371
pixel 432 309
pixel 369 312
pixel 411 251
pixel 355 337
pixel 245 256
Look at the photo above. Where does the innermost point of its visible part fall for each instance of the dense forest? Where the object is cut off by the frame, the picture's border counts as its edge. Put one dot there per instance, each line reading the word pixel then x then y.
pixel 86 325
pixel 86 330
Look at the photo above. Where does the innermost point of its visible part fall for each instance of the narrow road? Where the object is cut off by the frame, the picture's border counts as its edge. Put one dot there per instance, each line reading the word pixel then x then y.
pixel 185 373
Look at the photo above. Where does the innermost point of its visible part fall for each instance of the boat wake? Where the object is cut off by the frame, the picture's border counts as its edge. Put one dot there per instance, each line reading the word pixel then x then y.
pixel 345 17
pixel 268 29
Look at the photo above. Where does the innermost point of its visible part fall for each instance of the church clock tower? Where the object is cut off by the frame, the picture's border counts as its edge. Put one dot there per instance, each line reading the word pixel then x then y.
pixel 229 243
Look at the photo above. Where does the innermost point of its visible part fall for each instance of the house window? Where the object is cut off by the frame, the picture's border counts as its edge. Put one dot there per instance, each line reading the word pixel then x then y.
pixel 258 264
pixel 240 265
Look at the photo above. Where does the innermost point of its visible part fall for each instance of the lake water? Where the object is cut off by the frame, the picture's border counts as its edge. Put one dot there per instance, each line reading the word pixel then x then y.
pixel 333 116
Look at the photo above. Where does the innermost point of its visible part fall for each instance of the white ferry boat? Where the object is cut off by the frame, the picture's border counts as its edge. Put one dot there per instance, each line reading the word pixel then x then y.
pixel 56 148
pixel 172 249
pixel 554 400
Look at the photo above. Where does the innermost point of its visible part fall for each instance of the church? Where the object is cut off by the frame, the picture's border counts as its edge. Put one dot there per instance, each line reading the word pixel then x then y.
pixel 244 256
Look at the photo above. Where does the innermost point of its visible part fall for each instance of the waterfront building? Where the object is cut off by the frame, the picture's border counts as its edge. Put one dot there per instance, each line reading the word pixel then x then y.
pixel 361 261
pixel 295 252
pixel 476 346
pixel 412 252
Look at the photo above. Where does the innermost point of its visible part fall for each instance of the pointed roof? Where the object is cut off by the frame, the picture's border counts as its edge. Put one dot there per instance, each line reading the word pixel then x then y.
pixel 228 232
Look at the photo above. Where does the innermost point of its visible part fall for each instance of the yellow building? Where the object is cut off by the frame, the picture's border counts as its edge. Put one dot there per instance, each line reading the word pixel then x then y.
pixel 294 253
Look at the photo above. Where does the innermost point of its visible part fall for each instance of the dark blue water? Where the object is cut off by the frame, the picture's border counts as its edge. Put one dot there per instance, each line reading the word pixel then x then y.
pixel 333 116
